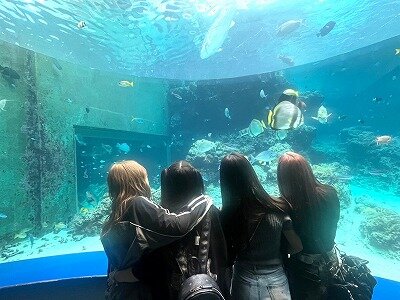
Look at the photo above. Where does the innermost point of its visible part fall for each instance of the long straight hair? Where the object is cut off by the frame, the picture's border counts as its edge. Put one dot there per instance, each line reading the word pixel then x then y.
pixel 180 183
pixel 126 179
pixel 298 185
pixel 244 200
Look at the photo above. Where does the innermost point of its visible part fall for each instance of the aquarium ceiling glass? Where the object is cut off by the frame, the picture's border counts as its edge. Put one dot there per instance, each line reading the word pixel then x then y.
pixel 196 39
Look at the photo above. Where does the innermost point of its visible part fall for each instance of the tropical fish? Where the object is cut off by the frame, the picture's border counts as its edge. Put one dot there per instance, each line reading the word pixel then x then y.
pixel 84 211
pixel 80 140
pixel 322 115
pixel 255 128
pixel 126 83
pixel 265 156
pixel 140 121
pixel 106 148
pixel 377 99
pixel 227 113
pixel 383 139
pixel 218 32
pixel 3 104
pixel 397 51
pixel 3 216
pixel 9 74
pixel 59 226
pixel 288 27
pixel 291 92
pixel 176 95
pixel 289 95
pixel 262 94
pixel 285 115
pixel 281 134
pixel 123 147
pixel 31 239
pixel 376 172
pixel 286 59
pixel 203 146
pixel 22 234
pixel 327 28
pixel 81 24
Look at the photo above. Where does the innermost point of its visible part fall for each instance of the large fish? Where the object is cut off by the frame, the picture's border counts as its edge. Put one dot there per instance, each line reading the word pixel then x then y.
pixel 327 28
pixel 217 33
pixel 285 115
pixel 288 27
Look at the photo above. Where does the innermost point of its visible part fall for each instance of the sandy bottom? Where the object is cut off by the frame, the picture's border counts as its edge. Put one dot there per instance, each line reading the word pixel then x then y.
pixel 53 244
pixel 348 239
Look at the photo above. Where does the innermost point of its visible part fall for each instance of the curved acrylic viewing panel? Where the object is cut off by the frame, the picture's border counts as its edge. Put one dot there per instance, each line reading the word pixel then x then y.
pixel 196 39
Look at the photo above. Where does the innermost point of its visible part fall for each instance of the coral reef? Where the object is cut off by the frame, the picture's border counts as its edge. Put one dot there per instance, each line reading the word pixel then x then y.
pixel 334 174
pixel 381 228
pixel 301 138
pixel 378 162
pixel 313 100
pixel 91 222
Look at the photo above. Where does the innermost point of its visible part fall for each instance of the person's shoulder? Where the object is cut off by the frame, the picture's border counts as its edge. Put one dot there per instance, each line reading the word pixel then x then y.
pixel 138 201
pixel 330 190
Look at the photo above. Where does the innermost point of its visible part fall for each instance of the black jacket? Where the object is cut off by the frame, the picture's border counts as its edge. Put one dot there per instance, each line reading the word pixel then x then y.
pixel 161 271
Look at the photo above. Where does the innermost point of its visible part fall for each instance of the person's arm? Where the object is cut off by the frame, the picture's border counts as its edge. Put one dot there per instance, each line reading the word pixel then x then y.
pixel 294 241
pixel 124 275
pixel 218 253
pixel 155 219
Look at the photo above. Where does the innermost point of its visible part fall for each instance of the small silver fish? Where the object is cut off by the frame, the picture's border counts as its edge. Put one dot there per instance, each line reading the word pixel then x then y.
pixel 81 24
pixel 227 113
pixel 3 216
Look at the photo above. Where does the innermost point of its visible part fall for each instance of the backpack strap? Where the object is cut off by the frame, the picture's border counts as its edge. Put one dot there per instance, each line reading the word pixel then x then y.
pixel 192 258
pixel 204 243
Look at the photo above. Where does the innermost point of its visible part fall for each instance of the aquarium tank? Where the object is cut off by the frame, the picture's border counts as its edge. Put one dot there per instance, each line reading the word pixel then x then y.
pixel 84 84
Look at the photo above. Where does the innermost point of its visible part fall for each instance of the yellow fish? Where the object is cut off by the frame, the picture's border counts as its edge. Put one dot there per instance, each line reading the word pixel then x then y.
pixel 84 210
pixel 126 83
pixel 291 92
pixel 397 51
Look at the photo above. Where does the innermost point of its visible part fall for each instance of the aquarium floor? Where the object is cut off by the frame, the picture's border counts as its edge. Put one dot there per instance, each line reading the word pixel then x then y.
pixel 349 240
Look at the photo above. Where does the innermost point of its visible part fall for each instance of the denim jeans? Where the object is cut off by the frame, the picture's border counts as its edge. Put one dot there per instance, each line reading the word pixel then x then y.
pixel 251 282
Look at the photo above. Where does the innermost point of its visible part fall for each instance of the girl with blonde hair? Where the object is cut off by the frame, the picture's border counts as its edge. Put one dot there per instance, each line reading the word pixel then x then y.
pixel 136 226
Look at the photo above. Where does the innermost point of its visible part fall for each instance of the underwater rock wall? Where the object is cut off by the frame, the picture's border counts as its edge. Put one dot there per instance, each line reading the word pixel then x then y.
pixel 14 203
pixel 37 129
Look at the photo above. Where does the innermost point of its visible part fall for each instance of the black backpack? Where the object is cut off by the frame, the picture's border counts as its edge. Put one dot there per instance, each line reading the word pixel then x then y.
pixel 199 284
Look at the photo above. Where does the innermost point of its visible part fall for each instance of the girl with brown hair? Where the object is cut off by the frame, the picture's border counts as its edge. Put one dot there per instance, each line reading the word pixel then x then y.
pixel 136 226
pixel 315 211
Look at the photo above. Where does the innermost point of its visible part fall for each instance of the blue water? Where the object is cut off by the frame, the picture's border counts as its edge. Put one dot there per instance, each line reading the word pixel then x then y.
pixel 179 98
pixel 163 39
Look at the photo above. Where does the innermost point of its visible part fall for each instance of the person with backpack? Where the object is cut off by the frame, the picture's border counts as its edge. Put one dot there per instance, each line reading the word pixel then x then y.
pixel 137 226
pixel 254 224
pixel 196 260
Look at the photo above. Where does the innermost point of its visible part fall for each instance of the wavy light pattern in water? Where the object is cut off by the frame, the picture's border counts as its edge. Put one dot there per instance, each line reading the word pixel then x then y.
pixel 163 38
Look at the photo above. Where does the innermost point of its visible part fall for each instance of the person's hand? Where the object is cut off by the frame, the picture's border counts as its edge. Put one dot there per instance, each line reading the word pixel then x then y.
pixel 124 275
